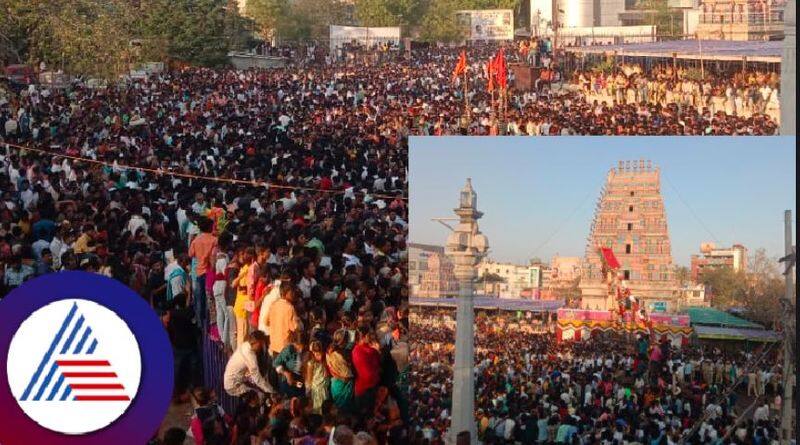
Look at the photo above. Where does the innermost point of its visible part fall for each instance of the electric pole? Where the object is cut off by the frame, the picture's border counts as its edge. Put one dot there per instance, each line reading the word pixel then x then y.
pixel 788 333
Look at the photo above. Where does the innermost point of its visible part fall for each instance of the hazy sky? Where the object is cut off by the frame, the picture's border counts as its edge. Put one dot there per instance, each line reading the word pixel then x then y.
pixel 538 194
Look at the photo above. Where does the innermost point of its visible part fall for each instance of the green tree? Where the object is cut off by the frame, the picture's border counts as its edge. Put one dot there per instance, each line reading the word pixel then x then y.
pixel 659 14
pixel 269 15
pixel 192 31
pixel 375 13
pixel 439 22
pixel 727 287
pixel 309 19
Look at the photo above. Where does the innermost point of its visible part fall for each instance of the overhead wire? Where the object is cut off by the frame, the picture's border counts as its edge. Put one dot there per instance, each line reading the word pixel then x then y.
pixel 162 172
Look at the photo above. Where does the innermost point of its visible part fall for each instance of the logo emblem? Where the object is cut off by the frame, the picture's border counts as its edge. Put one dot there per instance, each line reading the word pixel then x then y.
pixel 87 361
pixel 71 381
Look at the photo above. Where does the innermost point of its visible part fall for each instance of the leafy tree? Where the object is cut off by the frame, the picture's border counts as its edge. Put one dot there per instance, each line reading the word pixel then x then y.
pixel 727 288
pixel 269 15
pixel 682 274
pixel 309 19
pixel 439 22
pixel 192 31
pixel 375 13
pixel 660 15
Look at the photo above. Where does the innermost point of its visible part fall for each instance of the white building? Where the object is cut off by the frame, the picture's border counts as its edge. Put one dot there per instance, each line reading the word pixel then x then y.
pixel 418 256
pixel 514 279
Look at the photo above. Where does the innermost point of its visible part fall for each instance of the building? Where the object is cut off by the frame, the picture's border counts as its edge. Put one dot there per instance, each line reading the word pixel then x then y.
pixel 438 281
pixel 508 280
pixel 630 220
pixel 418 256
pixel 560 277
pixel 574 14
pixel 564 269
pixel 692 296
pixel 741 20
pixel 734 257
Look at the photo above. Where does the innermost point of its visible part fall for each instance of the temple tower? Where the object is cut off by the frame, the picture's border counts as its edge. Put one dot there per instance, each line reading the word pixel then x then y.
pixel 631 220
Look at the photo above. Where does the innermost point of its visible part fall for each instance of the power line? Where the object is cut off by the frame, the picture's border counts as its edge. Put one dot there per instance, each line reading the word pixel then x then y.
pixel 691 210
pixel 561 225
pixel 161 172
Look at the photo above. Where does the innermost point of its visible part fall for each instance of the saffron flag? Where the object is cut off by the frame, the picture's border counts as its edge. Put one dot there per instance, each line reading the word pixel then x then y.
pixel 461 66
pixel 500 69
pixel 490 73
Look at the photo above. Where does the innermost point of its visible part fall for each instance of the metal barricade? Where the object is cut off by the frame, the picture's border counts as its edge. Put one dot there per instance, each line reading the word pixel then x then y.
pixel 214 361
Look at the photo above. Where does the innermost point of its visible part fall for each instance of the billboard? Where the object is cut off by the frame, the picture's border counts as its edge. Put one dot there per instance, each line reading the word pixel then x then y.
pixel 487 24
pixel 339 35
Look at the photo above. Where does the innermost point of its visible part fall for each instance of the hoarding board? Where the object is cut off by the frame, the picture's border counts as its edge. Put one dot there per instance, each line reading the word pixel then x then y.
pixel 487 24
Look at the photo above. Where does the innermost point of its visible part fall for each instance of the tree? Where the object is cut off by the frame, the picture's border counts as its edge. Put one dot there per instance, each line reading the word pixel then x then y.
pixel 490 281
pixel 309 19
pixel 765 289
pixel 192 31
pixel 375 13
pixel 726 287
pixel 269 15
pixel 682 274
pixel 660 15
pixel 439 22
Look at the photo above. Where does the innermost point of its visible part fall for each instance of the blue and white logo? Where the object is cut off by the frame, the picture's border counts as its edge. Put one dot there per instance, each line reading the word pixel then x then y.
pixel 76 366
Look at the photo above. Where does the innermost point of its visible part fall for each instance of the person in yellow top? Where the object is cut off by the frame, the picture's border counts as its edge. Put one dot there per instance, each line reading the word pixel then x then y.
pixel 242 295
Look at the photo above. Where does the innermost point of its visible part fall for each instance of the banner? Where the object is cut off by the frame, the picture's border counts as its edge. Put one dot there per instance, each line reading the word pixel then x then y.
pixel 339 35
pixel 487 24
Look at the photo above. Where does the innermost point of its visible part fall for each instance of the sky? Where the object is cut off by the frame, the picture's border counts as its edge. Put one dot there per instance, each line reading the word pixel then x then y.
pixel 538 194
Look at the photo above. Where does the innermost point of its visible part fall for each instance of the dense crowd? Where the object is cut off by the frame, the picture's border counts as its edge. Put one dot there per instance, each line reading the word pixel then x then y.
pixel 265 209
pixel 297 268
pixel 606 390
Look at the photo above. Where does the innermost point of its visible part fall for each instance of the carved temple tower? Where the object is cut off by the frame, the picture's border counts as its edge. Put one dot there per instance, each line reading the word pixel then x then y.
pixel 631 220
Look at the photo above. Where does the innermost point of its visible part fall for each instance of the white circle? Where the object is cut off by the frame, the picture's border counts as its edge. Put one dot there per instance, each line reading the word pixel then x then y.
pixel 29 365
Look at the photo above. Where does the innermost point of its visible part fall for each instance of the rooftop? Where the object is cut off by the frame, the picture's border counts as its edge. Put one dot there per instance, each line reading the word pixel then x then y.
pixel 756 51
pixel 706 316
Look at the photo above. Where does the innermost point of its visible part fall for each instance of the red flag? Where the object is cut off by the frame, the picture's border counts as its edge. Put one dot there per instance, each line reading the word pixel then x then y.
pixel 500 69
pixel 490 73
pixel 461 66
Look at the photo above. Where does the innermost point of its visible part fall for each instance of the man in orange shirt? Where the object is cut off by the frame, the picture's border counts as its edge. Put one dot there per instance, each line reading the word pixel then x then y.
pixel 282 319
pixel 201 250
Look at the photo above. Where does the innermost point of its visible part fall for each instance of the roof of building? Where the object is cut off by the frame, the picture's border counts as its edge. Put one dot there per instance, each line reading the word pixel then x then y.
pixel 754 50
pixel 506 304
pixel 706 316
pixel 718 333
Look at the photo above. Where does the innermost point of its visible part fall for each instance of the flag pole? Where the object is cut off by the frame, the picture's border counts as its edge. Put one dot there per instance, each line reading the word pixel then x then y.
pixel 466 99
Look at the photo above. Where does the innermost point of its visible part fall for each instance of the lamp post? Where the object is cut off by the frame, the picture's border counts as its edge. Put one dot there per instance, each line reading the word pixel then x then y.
pixel 466 247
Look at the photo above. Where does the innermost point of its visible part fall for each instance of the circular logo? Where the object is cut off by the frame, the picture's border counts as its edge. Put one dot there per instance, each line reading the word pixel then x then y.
pixel 87 361
pixel 81 376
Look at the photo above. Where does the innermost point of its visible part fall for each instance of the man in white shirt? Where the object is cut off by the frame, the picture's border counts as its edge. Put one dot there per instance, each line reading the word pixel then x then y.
pixel 273 295
pixel 242 373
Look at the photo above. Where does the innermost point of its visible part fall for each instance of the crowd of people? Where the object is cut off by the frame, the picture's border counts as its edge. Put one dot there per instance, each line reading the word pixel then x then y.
pixel 743 94
pixel 606 390
pixel 265 210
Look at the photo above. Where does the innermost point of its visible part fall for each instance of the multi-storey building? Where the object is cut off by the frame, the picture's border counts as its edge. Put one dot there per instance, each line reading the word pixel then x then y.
pixel 508 280
pixel 630 220
pixel 741 20
pixel 711 257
